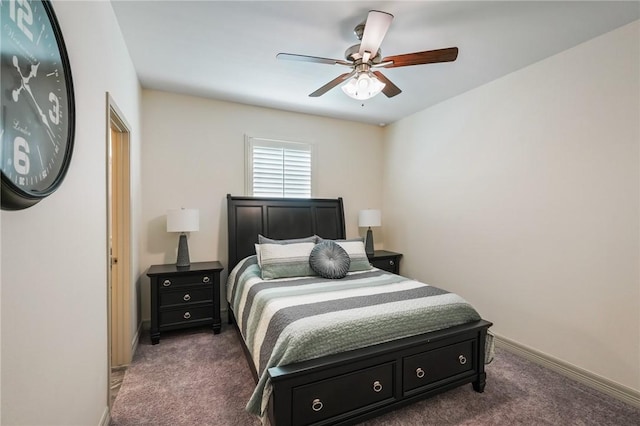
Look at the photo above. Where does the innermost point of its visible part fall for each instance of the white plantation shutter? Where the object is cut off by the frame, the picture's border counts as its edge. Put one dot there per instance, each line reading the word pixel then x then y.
pixel 278 168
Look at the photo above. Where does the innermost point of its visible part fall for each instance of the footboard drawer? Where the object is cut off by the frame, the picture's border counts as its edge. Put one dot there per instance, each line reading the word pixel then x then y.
pixel 341 394
pixel 433 366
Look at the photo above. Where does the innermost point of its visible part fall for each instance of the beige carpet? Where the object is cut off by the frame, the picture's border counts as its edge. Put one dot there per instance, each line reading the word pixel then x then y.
pixel 198 378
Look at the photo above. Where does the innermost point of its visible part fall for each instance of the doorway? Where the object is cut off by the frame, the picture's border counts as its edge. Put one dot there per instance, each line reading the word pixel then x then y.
pixel 120 345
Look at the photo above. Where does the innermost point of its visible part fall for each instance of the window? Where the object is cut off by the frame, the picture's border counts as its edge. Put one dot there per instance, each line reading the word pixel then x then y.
pixel 278 168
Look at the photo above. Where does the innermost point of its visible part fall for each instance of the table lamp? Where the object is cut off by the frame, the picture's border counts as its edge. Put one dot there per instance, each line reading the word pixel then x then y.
pixel 369 218
pixel 183 221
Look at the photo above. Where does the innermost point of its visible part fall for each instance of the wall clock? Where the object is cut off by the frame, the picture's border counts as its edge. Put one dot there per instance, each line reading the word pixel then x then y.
pixel 37 120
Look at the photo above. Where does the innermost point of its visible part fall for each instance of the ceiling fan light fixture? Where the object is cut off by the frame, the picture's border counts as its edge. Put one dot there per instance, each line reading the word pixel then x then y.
pixel 363 86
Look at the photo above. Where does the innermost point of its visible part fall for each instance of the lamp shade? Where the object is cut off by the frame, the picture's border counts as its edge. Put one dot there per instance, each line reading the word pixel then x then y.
pixel 183 220
pixel 363 86
pixel 369 217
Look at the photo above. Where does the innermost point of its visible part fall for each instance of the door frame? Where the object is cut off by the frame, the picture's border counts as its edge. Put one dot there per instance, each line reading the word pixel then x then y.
pixel 119 329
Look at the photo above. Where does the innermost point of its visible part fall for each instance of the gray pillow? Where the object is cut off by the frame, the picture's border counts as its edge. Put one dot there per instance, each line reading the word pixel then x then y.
pixel 286 260
pixel 264 240
pixel 329 260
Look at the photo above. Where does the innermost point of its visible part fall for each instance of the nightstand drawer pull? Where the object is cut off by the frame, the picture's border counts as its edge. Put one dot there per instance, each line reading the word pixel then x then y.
pixel 206 279
pixel 186 297
pixel 377 386
pixel 419 373
pixel 166 283
pixel 391 262
pixel 186 315
pixel 317 405
pixel 462 359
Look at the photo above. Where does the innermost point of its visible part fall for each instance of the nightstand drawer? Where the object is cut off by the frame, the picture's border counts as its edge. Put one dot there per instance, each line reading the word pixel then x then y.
pixel 388 265
pixel 386 260
pixel 169 282
pixel 186 295
pixel 185 315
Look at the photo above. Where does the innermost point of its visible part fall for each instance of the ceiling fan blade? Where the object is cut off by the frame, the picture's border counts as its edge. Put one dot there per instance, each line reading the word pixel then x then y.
pixel 374 31
pixel 316 59
pixel 333 83
pixel 419 58
pixel 390 89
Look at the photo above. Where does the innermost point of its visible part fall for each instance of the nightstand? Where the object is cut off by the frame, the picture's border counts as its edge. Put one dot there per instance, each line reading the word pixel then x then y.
pixel 386 260
pixel 184 297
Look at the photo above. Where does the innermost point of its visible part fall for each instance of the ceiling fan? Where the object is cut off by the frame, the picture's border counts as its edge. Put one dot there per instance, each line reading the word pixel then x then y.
pixel 363 57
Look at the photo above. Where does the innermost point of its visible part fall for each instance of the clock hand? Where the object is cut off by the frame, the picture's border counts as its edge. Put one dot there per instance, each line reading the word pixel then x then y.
pixel 24 85
pixel 15 64
pixel 34 71
pixel 16 93
pixel 43 117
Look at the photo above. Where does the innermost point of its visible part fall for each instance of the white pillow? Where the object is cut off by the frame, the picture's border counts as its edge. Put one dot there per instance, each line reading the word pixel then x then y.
pixel 356 252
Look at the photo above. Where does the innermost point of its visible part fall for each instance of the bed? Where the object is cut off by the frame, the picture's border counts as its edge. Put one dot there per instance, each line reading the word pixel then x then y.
pixel 308 369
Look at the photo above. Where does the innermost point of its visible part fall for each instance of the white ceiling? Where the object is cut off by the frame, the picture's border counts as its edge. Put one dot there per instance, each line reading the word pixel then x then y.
pixel 227 49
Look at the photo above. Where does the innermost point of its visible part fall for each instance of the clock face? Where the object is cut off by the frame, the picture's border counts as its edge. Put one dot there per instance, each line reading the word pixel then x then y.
pixel 37 105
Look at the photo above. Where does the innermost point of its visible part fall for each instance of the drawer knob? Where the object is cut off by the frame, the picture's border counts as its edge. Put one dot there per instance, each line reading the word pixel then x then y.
pixel 166 283
pixel 419 373
pixel 391 262
pixel 206 279
pixel 186 297
pixel 462 359
pixel 186 315
pixel 377 386
pixel 316 405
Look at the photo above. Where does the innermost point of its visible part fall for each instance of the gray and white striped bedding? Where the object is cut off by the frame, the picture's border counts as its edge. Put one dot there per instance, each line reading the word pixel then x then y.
pixel 295 319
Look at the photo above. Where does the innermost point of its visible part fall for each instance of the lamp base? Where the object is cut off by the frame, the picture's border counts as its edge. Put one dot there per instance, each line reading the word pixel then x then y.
pixel 183 251
pixel 368 244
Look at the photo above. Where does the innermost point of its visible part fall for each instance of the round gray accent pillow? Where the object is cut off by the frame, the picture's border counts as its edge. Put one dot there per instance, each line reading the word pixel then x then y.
pixel 329 260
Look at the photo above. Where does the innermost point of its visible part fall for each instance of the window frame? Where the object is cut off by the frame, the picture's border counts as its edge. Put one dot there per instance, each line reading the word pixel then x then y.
pixel 252 141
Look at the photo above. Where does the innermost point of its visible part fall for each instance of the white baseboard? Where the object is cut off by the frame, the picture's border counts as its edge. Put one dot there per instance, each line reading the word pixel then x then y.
pixel 594 381
pixel 136 340
pixel 106 417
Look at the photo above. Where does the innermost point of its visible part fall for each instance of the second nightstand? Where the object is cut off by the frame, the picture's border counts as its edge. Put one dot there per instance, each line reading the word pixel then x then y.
pixel 184 297
pixel 386 260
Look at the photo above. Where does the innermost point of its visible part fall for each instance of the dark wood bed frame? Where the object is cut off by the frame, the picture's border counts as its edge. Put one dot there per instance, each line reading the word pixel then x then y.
pixel 350 387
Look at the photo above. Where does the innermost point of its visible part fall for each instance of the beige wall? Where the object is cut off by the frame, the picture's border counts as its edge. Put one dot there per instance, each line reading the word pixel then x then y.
pixel 193 156
pixel 54 257
pixel 523 196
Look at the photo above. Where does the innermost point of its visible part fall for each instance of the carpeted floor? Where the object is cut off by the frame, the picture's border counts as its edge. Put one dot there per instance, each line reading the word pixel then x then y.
pixel 198 378
pixel 117 376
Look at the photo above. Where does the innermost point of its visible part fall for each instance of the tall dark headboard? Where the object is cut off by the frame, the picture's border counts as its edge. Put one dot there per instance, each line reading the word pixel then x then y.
pixel 280 218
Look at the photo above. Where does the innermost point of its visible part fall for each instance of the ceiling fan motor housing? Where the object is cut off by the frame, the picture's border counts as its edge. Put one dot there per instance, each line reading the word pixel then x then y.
pixel 359 29
pixel 353 54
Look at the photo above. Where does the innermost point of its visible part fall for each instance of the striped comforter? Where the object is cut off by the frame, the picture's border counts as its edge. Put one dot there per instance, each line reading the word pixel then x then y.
pixel 295 319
